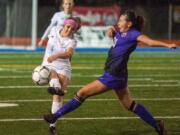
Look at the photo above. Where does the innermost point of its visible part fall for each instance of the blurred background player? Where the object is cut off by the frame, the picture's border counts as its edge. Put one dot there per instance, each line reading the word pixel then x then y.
pixel 57 57
pixel 126 36
pixel 58 19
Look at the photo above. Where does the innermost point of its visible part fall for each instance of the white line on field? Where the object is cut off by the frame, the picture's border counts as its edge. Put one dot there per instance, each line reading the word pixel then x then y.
pixel 15 77
pixel 78 86
pixel 7 105
pixel 91 100
pixel 99 68
pixel 156 75
pixel 130 68
pixel 90 118
pixel 130 79
pixel 82 76
pixel 99 55
pixel 92 76
pixel 98 75
pixel 154 85
pixel 34 86
pixel 15 70
pixel 88 76
pixel 166 81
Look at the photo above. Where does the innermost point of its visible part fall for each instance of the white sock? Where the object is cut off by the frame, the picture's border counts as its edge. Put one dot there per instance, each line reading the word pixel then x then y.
pixel 55 106
pixel 55 83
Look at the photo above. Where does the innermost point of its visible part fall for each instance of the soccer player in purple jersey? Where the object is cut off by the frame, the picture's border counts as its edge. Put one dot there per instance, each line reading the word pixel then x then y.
pixel 126 37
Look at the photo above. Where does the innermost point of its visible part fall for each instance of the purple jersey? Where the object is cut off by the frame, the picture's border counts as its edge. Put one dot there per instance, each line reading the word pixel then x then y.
pixel 125 43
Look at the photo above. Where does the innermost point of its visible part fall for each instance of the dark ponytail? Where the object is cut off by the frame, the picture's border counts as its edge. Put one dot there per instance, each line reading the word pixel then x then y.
pixel 137 21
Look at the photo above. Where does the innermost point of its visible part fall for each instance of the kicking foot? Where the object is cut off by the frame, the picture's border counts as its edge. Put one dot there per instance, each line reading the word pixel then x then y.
pixel 52 131
pixel 161 128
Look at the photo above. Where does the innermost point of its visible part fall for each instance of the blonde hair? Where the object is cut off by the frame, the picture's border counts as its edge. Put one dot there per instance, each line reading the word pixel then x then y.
pixel 71 0
pixel 61 6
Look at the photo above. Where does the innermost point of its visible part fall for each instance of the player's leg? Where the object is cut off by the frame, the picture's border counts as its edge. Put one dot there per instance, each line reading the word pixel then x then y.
pixel 57 103
pixel 58 82
pixel 91 89
pixel 57 99
pixel 127 101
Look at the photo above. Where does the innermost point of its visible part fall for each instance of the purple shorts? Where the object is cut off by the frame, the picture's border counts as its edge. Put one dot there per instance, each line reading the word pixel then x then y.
pixel 113 82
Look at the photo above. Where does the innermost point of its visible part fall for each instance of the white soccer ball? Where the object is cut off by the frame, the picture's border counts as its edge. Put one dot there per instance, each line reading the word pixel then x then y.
pixel 41 75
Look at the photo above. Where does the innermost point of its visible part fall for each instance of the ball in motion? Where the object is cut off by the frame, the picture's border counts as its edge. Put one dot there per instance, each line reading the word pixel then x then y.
pixel 41 75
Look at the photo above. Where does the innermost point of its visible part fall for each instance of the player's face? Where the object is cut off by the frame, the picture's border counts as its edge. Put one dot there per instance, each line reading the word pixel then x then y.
pixel 68 30
pixel 123 25
pixel 68 6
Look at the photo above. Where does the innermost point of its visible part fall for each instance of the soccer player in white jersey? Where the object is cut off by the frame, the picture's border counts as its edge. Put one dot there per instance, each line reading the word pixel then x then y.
pixel 57 58
pixel 58 19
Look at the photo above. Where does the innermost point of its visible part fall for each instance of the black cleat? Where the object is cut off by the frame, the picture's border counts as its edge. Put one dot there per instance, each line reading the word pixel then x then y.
pixel 55 91
pixel 49 118
pixel 161 128
pixel 52 131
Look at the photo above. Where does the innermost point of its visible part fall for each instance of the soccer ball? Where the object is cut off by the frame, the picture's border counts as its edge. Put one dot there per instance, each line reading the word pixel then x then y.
pixel 41 75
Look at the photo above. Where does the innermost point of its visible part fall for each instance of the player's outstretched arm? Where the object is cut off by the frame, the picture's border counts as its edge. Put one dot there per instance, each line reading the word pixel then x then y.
pixel 45 35
pixel 154 43
pixel 111 32
pixel 48 29
pixel 67 54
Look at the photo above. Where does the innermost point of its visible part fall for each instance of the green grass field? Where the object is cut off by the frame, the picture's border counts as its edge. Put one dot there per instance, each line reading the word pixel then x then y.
pixel 154 80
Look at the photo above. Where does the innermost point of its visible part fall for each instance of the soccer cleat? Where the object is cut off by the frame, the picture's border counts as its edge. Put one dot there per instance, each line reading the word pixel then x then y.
pixel 161 129
pixel 50 118
pixel 52 131
pixel 55 91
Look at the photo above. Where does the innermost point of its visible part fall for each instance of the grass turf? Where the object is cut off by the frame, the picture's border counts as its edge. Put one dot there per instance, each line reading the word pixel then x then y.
pixel 152 77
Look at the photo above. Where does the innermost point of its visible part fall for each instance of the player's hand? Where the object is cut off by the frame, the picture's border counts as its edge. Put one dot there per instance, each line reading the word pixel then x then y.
pixel 51 58
pixel 173 46
pixel 111 32
pixel 41 43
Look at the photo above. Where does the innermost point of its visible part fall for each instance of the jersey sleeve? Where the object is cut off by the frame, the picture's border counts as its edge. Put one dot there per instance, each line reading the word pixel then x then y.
pixel 54 19
pixel 72 44
pixel 135 34
pixel 49 49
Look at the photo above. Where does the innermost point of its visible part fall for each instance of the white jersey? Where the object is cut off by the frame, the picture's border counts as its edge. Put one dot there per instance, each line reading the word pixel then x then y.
pixel 56 21
pixel 57 44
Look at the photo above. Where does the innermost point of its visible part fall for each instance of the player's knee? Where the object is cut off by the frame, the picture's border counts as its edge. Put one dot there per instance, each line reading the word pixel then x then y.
pixel 82 93
pixel 53 74
pixel 54 82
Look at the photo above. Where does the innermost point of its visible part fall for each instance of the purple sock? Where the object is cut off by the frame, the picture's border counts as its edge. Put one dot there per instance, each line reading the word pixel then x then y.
pixel 145 115
pixel 68 107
